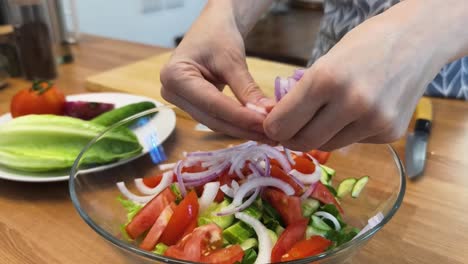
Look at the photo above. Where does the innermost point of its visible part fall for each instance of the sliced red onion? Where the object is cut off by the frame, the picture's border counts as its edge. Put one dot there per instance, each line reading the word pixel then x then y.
pixel 235 186
pixel 309 191
pixel 227 190
pixel 166 180
pixel 133 197
pixel 277 155
pixel 256 108
pixel 277 89
pixel 330 217
pixel 265 245
pixel 291 84
pixel 298 73
pixel 210 173
pixel 297 181
pixel 267 165
pixel 307 178
pixel 167 166
pixel 250 185
pixel 178 173
pixel 255 170
pixel 289 156
pixel 209 194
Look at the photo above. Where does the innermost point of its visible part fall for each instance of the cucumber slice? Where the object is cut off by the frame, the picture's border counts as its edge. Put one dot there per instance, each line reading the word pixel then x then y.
pixel 327 175
pixel 309 206
pixel 360 184
pixel 273 236
pixel 328 170
pixel 249 243
pixel 345 187
pixel 319 223
pixel 312 231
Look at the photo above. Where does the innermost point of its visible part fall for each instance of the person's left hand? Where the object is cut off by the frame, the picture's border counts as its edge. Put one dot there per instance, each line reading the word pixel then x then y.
pixel 364 90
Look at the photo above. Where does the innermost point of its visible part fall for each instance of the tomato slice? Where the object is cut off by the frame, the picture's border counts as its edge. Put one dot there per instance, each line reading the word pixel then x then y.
pixel 183 215
pixel 289 207
pixel 278 173
pixel 229 255
pixel 146 217
pixel 320 156
pixel 304 165
pixel 192 225
pixel 324 195
pixel 201 242
pixel 307 248
pixel 290 236
pixel 151 239
pixel 153 181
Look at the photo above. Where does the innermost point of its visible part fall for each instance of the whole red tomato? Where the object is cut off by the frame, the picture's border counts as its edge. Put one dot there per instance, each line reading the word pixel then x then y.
pixel 42 98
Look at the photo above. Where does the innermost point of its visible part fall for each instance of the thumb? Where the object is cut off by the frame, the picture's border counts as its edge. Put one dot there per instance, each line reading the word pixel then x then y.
pixel 245 89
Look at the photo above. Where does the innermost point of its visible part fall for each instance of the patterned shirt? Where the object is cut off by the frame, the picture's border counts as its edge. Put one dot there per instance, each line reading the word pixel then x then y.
pixel 340 16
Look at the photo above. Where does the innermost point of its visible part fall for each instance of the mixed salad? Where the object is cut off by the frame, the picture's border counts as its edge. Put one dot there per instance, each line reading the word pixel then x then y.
pixel 250 203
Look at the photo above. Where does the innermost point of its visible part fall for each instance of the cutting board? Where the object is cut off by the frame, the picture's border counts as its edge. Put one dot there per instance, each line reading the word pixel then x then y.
pixel 142 77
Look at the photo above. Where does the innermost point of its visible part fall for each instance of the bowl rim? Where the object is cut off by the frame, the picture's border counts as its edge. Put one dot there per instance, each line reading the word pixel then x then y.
pixel 143 253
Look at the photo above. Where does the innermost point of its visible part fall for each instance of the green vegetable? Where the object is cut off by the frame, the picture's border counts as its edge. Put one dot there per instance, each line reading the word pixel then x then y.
pixel 360 184
pixel 279 230
pixel 345 187
pixel 209 216
pixel 312 231
pixel 160 249
pixel 249 243
pixel 240 231
pixel 330 208
pixel 331 189
pixel 327 175
pixel 340 237
pixel 273 236
pixel 38 143
pixel 270 218
pixel 249 256
pixel 131 207
pixel 118 114
pixel 328 170
pixel 317 222
pixel 176 191
pixel 309 206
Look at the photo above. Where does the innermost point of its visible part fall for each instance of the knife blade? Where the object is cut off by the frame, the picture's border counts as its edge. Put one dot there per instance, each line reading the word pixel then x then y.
pixel 416 142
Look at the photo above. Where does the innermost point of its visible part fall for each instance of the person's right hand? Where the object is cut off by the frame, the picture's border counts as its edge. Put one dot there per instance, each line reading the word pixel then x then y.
pixel 210 56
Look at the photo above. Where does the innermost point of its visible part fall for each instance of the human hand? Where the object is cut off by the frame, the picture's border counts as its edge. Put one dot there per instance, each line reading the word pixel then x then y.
pixel 210 56
pixel 364 90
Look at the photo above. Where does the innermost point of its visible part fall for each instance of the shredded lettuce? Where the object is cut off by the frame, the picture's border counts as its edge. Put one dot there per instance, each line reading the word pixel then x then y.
pixel 131 208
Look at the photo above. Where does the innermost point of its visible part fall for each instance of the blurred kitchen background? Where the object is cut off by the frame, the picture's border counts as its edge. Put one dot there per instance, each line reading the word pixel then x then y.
pixel 36 35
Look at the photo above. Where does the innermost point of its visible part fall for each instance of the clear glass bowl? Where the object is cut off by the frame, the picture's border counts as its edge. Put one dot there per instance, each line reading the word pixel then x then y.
pixel 94 193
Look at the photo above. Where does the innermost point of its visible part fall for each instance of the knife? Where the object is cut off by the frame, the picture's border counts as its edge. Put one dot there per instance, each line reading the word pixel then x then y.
pixel 416 142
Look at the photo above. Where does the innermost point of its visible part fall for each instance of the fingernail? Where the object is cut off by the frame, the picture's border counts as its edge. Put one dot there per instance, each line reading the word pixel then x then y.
pixel 268 103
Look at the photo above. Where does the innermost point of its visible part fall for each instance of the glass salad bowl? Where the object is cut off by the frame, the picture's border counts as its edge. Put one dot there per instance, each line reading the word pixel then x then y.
pixel 96 196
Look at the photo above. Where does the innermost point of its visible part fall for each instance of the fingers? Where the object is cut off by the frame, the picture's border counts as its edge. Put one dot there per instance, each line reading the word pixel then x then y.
pixel 325 125
pixel 215 124
pixel 244 87
pixel 301 104
pixel 185 81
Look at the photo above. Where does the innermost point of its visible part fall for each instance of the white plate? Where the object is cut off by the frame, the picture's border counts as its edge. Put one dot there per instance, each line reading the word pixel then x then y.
pixel 164 123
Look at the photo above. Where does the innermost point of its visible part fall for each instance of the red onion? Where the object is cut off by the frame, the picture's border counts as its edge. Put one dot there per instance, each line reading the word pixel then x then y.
pixel 133 197
pixel 178 173
pixel 209 194
pixel 166 180
pixel 289 156
pixel 298 73
pixel 330 217
pixel 309 191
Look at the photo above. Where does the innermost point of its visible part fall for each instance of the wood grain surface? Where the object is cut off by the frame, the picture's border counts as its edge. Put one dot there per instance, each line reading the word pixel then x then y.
pixel 39 225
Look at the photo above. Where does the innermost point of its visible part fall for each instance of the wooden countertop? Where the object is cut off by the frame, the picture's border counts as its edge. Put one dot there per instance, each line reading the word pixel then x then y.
pixel 38 223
